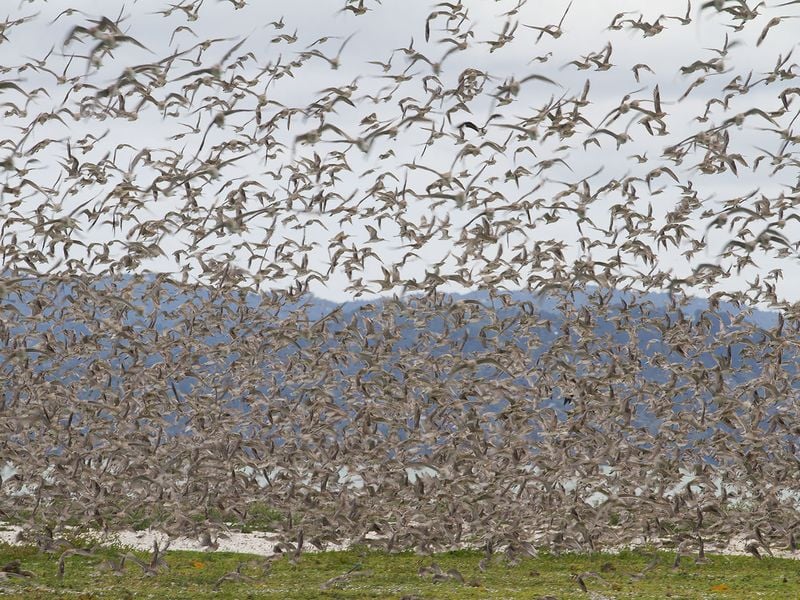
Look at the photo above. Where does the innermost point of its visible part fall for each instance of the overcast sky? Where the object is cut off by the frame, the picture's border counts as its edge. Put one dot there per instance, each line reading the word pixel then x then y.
pixel 377 35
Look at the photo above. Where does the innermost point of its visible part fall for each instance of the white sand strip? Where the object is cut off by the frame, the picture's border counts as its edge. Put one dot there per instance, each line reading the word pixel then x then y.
pixel 263 543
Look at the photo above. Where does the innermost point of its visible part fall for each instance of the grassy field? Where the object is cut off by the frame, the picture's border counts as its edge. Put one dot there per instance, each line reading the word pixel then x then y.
pixel 29 574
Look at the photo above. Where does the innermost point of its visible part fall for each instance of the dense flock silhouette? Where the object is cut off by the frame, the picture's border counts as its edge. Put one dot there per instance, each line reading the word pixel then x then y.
pixel 523 364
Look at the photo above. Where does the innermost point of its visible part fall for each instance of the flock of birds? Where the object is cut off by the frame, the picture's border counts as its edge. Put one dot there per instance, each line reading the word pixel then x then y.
pixel 419 419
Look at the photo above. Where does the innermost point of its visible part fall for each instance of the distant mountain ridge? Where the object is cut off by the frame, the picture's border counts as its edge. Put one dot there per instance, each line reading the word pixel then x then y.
pixel 162 320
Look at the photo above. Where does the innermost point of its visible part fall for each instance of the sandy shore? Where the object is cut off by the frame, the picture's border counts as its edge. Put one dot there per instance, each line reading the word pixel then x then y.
pixel 259 543
pixel 263 543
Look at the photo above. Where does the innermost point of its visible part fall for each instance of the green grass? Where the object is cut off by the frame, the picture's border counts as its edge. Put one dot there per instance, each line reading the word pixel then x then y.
pixel 381 575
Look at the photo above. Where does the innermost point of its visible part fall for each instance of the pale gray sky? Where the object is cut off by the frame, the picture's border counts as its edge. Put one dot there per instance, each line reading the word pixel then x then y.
pixel 385 27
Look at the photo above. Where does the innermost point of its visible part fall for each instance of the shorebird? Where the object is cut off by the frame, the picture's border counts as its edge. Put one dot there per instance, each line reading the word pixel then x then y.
pixel 553 31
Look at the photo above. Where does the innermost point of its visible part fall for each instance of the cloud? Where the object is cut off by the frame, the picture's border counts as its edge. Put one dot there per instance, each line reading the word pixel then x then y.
pixel 178 128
